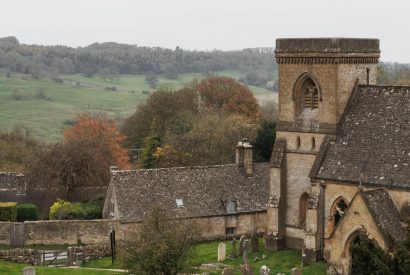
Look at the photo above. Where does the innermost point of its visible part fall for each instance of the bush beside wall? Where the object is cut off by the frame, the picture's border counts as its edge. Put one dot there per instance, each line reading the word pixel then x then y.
pixel 27 212
pixel 64 210
pixel 8 211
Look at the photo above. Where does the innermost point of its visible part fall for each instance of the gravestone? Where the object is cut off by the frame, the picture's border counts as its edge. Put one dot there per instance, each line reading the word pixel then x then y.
pixel 29 271
pixel 295 271
pixel 221 252
pixel 264 270
pixel 233 254
pixel 245 252
pixel 241 240
pixel 255 242
pixel 270 242
pixel 227 271
pixel 246 270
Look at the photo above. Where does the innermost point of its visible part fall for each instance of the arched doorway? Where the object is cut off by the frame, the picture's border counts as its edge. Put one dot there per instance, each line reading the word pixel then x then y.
pixel 354 238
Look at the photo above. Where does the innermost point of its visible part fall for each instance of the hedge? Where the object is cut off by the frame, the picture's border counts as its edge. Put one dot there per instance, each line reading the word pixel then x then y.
pixel 27 212
pixel 64 210
pixel 8 211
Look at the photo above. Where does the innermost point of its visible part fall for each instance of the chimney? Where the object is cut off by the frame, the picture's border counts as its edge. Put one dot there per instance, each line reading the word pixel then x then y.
pixel 248 159
pixel 239 154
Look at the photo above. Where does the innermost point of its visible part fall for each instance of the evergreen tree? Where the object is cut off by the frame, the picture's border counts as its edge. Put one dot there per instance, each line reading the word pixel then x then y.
pixel 265 138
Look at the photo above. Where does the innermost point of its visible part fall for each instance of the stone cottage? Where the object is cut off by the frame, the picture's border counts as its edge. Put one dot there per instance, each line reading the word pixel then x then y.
pixel 226 200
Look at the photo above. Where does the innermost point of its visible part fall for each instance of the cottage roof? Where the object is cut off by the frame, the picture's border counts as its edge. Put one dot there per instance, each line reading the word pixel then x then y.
pixel 202 190
pixel 385 213
pixel 373 142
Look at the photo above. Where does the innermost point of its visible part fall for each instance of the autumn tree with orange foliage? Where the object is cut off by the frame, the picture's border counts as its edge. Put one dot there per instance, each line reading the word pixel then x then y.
pixel 83 159
pixel 104 132
pixel 226 94
pixel 197 125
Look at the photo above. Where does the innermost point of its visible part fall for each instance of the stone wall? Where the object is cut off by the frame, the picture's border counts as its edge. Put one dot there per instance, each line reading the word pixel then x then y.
pixel 12 187
pixel 5 228
pixel 20 255
pixel 70 232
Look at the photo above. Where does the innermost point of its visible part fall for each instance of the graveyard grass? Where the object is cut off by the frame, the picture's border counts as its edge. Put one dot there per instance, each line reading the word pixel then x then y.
pixel 278 261
pixel 10 268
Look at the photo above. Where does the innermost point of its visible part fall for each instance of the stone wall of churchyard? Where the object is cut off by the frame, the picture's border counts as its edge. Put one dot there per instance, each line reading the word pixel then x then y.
pixel 97 231
pixel 70 231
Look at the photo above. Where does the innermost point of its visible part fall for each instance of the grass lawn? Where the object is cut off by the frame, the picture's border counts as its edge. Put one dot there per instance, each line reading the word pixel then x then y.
pixel 104 263
pixel 48 107
pixel 278 261
pixel 10 268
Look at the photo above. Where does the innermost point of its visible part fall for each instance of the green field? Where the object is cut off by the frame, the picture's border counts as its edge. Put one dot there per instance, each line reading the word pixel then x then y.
pixel 48 107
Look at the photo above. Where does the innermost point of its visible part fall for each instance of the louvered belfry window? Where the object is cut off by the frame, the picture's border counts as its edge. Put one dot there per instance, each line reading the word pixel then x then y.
pixel 310 95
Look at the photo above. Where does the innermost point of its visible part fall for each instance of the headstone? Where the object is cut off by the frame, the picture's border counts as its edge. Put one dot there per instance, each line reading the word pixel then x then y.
pixel 264 270
pixel 270 242
pixel 246 270
pixel 255 242
pixel 221 252
pixel 227 271
pixel 233 254
pixel 295 271
pixel 245 252
pixel 241 245
pixel 29 271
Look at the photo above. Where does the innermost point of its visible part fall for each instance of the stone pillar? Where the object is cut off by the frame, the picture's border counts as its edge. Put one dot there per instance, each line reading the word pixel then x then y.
pixel 311 250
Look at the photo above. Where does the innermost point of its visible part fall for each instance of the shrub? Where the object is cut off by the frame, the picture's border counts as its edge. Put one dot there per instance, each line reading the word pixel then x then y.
pixel 27 212
pixel 8 211
pixel 54 209
pixel 64 210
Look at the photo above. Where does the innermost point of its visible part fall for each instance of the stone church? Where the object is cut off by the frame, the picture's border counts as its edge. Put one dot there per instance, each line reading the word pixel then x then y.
pixel 340 164
pixel 339 167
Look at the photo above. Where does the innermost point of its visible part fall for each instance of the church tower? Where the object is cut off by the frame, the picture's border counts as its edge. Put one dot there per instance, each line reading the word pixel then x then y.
pixel 316 79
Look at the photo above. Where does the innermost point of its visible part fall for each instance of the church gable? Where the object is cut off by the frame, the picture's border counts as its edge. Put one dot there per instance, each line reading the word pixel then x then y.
pixel 372 145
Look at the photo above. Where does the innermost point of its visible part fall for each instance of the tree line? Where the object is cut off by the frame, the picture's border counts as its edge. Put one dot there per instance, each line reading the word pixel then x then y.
pixel 111 58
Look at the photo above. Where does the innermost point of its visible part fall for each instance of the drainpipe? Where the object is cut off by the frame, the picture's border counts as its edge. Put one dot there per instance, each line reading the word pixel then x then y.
pixel 322 210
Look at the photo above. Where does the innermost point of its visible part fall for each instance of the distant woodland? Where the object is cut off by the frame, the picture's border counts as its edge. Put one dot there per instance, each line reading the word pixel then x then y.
pixel 111 59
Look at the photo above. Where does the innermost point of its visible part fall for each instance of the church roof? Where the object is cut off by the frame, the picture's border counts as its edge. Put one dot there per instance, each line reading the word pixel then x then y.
pixel 385 213
pixel 372 146
pixel 202 190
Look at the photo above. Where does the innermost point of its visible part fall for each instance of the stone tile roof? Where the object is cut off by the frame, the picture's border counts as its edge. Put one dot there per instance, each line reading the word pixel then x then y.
pixel 278 153
pixel 203 190
pixel 385 213
pixel 373 141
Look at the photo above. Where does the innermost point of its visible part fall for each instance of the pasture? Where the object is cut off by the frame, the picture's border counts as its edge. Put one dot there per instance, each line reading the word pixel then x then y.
pixel 48 106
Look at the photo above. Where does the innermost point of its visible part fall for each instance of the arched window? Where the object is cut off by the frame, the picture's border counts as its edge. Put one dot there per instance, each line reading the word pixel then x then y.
pixel 306 93
pixel 310 94
pixel 303 209
pixel 338 210
pixel 297 142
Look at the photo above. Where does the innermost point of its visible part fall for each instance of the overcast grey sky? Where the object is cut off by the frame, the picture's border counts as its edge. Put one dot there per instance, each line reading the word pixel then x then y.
pixel 207 24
